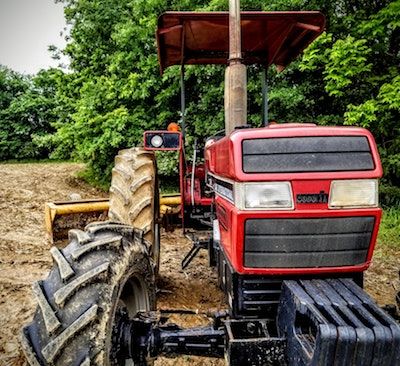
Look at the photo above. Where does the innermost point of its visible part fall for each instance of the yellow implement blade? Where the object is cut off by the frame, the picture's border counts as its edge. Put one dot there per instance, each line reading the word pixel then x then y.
pixel 60 216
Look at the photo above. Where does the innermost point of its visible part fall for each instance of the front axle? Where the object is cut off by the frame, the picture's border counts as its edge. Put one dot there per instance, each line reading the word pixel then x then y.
pixel 319 322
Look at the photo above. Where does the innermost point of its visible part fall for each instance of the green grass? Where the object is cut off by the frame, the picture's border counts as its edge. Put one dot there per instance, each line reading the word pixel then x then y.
pixel 169 186
pixel 87 176
pixel 389 232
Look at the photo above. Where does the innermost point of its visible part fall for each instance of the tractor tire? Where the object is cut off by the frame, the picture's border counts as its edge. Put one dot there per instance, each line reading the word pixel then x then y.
pixel 105 271
pixel 134 196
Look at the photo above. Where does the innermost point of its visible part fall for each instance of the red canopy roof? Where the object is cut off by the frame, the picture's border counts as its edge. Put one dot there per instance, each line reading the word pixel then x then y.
pixel 267 37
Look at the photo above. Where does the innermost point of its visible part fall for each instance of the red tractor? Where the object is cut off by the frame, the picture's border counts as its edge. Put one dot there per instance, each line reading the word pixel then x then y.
pixel 290 213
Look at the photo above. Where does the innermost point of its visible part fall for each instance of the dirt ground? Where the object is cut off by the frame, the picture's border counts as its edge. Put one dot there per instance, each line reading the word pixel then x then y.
pixel 24 258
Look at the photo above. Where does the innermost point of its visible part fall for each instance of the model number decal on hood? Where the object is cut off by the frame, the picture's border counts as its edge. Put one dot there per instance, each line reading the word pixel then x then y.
pixel 321 197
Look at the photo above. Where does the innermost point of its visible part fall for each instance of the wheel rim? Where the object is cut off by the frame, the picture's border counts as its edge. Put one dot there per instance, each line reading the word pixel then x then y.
pixel 134 298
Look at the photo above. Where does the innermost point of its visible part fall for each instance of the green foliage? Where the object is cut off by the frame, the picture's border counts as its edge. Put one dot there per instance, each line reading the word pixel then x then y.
pixel 168 164
pixel 357 64
pixel 317 53
pixel 380 115
pixel 118 92
pixel 383 24
pixel 389 196
pixel 27 107
pixel 350 75
pixel 347 61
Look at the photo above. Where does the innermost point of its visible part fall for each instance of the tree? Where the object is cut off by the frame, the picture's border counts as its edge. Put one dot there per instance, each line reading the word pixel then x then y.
pixel 27 108
pixel 348 76
pixel 360 72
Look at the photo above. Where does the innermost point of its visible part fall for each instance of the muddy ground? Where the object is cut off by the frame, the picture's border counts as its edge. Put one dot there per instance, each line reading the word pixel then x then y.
pixel 24 258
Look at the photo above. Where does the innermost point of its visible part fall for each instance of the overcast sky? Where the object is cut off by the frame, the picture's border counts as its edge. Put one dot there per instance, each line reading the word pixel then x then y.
pixel 27 28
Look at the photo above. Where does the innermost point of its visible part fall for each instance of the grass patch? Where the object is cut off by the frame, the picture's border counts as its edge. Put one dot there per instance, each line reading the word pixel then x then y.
pixel 389 232
pixel 87 176
pixel 169 185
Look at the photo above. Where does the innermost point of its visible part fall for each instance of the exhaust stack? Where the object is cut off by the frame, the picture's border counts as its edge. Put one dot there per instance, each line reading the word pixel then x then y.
pixel 235 74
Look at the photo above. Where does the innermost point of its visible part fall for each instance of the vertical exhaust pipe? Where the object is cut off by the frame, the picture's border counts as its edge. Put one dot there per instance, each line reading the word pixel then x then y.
pixel 235 74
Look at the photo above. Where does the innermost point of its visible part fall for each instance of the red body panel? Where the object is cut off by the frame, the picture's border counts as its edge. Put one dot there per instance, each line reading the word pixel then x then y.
pixel 224 160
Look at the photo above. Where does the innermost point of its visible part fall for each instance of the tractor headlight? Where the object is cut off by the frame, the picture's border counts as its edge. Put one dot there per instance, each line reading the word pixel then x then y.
pixel 156 141
pixel 353 193
pixel 271 195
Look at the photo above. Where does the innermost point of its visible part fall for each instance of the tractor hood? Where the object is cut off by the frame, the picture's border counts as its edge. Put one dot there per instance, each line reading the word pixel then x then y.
pixel 294 151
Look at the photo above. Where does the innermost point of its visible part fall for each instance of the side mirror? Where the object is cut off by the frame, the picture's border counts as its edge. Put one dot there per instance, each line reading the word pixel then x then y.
pixel 162 140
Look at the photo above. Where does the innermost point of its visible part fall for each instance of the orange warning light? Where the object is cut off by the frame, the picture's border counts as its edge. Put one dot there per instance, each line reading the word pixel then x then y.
pixel 173 127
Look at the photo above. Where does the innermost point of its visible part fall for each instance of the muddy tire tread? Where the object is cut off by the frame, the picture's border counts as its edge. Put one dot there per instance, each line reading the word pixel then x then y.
pixel 132 200
pixel 64 267
pixel 50 319
pixel 70 323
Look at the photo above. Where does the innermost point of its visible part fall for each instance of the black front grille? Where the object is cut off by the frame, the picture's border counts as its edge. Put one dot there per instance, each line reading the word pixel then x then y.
pixel 307 154
pixel 259 294
pixel 305 243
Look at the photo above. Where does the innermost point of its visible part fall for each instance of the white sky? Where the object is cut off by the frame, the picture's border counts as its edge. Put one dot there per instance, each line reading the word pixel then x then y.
pixel 27 28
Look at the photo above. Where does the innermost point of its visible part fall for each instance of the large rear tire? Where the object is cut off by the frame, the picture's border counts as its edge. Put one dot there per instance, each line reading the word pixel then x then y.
pixel 104 271
pixel 134 195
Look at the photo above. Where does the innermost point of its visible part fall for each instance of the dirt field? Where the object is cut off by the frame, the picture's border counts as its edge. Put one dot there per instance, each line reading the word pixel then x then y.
pixel 24 257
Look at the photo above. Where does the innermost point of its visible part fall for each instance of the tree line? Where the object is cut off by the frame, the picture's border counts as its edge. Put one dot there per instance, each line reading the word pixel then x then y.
pixel 113 91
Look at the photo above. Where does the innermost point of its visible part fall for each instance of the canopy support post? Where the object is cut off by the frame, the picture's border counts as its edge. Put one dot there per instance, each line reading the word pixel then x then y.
pixel 264 86
pixel 183 100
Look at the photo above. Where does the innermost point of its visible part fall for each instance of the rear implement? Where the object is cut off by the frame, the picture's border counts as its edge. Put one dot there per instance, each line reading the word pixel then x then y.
pixel 62 216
